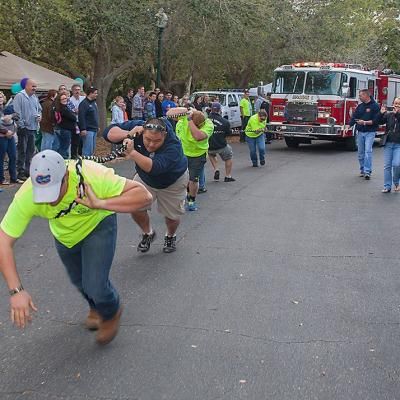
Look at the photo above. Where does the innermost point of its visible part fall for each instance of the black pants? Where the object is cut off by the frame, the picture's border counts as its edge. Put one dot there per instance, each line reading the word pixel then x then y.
pixel 25 150
pixel 245 120
pixel 76 145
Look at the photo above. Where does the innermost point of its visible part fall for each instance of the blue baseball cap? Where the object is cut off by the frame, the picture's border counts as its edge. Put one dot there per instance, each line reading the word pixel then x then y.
pixel 216 106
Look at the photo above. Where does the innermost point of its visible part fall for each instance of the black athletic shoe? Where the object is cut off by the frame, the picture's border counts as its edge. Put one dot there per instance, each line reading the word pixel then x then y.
pixel 216 175
pixel 202 190
pixel 144 245
pixel 169 244
pixel 367 177
pixel 229 179
pixel 262 162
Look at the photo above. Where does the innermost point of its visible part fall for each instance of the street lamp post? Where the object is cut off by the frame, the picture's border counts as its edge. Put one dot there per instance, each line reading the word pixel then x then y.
pixel 162 21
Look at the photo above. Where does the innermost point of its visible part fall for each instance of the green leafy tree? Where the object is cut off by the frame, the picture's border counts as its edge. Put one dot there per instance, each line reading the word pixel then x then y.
pixel 97 39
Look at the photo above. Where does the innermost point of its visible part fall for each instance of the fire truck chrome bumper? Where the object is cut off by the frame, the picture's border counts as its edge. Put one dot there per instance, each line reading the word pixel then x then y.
pixel 305 130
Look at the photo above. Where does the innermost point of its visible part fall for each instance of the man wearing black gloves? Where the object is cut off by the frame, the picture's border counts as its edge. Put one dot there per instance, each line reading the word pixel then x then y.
pixel 364 117
pixel 161 167
pixel 217 143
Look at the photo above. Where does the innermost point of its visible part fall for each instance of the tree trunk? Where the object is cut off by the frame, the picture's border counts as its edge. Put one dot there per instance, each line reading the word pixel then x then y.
pixel 152 77
pixel 188 84
pixel 104 74
pixel 102 103
pixel 103 78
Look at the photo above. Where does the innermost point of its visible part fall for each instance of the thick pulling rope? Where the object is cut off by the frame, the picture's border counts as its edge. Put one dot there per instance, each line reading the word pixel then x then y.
pixel 116 153
pixel 120 152
pixel 101 160
pixel 81 190
pixel 109 157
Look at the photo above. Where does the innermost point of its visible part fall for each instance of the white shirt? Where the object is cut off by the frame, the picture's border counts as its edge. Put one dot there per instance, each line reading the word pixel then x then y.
pixel 75 101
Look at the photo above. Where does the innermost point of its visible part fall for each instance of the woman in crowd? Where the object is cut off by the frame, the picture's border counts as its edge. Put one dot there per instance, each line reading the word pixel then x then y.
pixel 118 115
pixel 49 138
pixel 198 103
pixel 391 154
pixel 185 102
pixel 205 105
pixel 159 100
pixel 65 123
pixel 175 99
pixel 117 111
pixel 7 141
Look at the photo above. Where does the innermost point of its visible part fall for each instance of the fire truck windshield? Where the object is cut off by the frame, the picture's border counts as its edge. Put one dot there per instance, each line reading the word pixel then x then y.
pixel 286 82
pixel 323 83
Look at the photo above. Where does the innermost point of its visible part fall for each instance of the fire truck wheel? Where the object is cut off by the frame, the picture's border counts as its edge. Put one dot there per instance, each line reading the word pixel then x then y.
pixel 351 143
pixel 292 142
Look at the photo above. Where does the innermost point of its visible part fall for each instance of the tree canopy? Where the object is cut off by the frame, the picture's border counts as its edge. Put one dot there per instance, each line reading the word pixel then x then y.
pixel 207 43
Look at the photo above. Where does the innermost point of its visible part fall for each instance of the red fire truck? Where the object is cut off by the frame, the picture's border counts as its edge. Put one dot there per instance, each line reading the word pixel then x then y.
pixel 315 100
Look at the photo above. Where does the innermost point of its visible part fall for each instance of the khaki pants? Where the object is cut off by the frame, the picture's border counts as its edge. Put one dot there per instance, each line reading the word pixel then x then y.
pixel 171 200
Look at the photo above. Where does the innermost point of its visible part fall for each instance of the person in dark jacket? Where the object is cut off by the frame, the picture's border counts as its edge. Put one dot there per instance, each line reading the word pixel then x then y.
pixel 391 154
pixel 88 120
pixel 158 104
pixel 198 103
pixel 128 101
pixel 7 143
pixel 218 145
pixel 364 117
pixel 65 124
pixel 161 167
pixel 47 123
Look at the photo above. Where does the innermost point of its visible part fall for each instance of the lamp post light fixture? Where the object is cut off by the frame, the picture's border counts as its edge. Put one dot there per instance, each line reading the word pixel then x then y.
pixel 162 21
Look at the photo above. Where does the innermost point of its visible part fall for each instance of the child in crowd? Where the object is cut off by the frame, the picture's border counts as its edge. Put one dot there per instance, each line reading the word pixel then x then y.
pixel 8 145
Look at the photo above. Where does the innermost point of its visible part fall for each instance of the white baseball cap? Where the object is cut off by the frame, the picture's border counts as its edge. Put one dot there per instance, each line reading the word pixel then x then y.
pixel 47 172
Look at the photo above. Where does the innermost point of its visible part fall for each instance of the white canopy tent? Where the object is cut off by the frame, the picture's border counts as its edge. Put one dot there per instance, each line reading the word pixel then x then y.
pixel 14 68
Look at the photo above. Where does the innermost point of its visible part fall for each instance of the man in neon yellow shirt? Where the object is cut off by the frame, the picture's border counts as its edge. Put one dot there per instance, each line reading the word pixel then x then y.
pixel 194 130
pixel 245 112
pixel 255 137
pixel 84 227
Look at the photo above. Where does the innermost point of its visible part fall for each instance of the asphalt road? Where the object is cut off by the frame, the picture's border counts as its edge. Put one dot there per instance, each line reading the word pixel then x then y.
pixel 285 285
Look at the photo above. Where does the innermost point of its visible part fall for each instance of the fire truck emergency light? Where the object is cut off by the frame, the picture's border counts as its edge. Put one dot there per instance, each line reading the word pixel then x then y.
pixel 324 65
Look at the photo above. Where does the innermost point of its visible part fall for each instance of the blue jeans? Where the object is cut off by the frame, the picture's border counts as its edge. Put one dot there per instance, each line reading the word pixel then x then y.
pixel 365 141
pixel 7 146
pixel 391 156
pixel 89 143
pixel 254 143
pixel 88 265
pixel 202 179
pixel 25 150
pixel 64 138
pixel 49 141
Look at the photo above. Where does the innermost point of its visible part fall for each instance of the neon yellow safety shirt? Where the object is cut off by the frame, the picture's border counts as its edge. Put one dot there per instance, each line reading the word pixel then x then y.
pixel 81 221
pixel 254 125
pixel 246 107
pixel 191 146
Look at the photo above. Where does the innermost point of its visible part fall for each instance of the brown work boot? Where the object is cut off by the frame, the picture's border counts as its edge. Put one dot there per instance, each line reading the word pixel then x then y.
pixel 109 329
pixel 93 320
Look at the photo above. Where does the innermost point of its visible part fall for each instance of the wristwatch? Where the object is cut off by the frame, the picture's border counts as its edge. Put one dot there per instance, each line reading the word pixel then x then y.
pixel 18 289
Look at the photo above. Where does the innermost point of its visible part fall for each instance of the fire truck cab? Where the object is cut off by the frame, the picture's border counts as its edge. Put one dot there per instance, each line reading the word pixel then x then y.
pixel 315 101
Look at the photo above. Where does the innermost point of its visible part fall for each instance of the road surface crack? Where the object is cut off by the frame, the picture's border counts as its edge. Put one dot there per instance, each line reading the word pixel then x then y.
pixel 217 331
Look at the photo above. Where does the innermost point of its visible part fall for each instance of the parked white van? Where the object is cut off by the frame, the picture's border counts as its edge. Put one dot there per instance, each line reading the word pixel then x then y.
pixel 229 99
